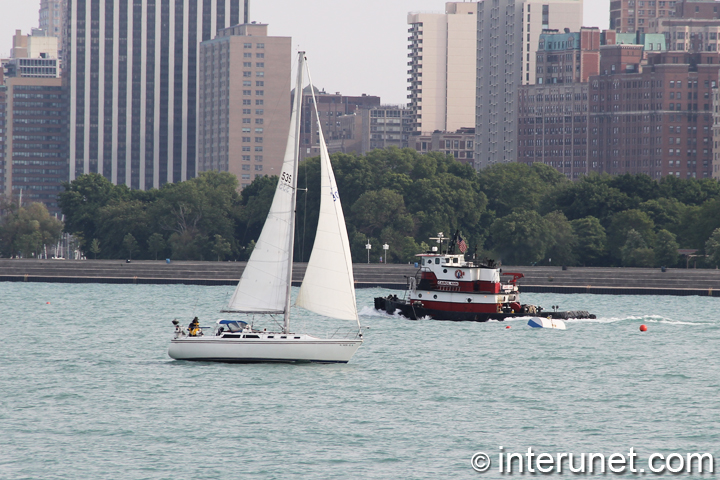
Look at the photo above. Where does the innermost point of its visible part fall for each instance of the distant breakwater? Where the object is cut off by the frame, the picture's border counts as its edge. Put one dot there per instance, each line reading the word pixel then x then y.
pixel 616 281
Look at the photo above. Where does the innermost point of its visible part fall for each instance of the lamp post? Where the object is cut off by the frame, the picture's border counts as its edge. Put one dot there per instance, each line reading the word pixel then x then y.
pixel 368 247
pixel 386 247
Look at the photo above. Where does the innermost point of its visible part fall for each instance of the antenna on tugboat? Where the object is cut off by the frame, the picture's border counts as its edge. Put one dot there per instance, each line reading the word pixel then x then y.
pixel 439 239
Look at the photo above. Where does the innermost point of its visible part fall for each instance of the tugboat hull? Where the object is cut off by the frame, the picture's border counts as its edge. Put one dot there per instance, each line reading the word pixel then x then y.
pixel 392 305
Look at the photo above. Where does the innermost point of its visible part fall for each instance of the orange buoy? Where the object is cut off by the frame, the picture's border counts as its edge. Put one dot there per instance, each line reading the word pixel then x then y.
pixel 507 326
pixel 643 328
pixel 48 303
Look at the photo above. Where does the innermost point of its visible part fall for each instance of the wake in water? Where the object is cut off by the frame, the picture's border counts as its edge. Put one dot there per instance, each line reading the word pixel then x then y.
pixel 640 319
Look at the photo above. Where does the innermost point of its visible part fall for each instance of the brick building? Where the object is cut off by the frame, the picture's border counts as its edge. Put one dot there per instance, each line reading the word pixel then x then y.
pixel 568 57
pixel 657 121
pixel 459 144
pixel 630 16
pixel 331 107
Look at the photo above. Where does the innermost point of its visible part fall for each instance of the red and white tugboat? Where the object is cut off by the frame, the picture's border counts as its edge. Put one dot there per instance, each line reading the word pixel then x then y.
pixel 447 287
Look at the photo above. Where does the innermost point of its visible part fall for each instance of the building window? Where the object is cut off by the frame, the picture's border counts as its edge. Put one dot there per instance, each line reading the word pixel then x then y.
pixel 259 111
pixel 247 102
pixel 257 149
pixel 247 92
pixel 258 139
pixel 258 168
pixel 245 139
pixel 247 45
pixel 259 83
pixel 258 158
pixel 259 102
pixel 260 45
pixel 260 64
pixel 258 130
pixel 260 55
pixel 260 92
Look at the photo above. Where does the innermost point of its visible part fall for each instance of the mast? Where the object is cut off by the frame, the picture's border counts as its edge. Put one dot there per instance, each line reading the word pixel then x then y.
pixel 297 103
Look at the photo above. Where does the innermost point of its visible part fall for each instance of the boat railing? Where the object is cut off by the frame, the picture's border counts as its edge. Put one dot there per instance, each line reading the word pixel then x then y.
pixel 349 334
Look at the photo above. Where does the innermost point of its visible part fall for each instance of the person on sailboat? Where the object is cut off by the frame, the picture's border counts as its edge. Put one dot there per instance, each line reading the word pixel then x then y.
pixel 194 328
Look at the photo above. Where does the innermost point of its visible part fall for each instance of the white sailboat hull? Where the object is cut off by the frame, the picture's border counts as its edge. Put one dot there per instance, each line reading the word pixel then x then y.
pixel 294 348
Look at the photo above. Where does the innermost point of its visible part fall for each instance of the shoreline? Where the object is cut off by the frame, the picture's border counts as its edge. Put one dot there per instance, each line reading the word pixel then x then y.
pixel 592 280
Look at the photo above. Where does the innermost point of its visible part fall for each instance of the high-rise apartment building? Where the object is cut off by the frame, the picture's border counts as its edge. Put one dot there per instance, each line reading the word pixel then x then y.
pixel 51 17
pixel 131 70
pixel 508 35
pixel 4 161
pixel 36 148
pixel 658 120
pixel 244 93
pixel 630 16
pixel 442 67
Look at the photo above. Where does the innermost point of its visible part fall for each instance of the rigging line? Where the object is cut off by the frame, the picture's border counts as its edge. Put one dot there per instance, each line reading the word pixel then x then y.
pixel 302 250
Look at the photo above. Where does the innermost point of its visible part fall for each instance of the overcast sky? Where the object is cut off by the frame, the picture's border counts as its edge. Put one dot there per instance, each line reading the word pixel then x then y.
pixel 353 46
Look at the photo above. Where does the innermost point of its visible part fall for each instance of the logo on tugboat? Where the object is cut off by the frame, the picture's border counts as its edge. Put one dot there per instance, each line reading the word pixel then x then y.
pixel 459 274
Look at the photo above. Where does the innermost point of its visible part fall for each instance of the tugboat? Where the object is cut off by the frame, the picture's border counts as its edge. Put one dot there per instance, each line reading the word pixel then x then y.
pixel 448 287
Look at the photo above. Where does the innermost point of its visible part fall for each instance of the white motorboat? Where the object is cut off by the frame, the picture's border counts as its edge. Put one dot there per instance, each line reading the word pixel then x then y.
pixel 264 289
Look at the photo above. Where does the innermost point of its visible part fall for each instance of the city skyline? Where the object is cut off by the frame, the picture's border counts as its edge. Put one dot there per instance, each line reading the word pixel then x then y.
pixel 378 30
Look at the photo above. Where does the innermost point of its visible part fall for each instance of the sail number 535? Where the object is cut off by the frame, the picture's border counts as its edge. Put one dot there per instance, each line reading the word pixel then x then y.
pixel 286 178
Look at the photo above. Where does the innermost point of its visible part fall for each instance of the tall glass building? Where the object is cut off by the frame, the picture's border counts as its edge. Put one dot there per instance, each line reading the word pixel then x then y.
pixel 131 73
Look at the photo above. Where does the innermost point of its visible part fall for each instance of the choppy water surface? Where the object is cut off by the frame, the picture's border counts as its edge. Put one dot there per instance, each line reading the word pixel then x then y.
pixel 87 389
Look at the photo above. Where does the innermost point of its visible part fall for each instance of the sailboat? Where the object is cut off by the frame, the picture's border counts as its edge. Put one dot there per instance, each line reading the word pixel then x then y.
pixel 328 287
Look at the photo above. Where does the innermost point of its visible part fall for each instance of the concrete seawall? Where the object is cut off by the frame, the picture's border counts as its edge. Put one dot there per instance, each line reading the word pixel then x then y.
pixel 632 281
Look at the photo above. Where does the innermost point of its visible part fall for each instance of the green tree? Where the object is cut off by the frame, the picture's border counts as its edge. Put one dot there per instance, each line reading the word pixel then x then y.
pixel 156 244
pixel 562 239
pixel 591 241
pixel 83 198
pixel 30 244
pixel 95 247
pixel 521 238
pixel 622 222
pixel 515 186
pixel 221 247
pixel 712 247
pixel 591 196
pixel 666 249
pixel 27 229
pixel 130 244
pixel 635 252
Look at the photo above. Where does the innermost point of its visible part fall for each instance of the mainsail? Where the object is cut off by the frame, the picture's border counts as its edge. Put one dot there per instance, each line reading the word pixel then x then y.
pixel 263 287
pixel 328 287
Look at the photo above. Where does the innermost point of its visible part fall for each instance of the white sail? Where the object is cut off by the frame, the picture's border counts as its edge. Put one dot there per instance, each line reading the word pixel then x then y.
pixel 328 287
pixel 265 282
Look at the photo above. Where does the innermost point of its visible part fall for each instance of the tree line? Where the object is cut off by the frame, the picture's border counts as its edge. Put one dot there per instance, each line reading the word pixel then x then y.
pixel 517 213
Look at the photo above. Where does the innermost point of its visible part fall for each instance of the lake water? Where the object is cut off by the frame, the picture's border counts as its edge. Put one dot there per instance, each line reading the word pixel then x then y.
pixel 88 391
